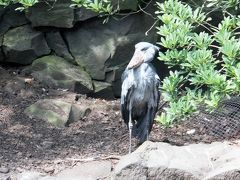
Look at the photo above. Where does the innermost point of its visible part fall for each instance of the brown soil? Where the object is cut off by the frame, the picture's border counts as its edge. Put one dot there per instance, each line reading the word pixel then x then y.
pixel 31 144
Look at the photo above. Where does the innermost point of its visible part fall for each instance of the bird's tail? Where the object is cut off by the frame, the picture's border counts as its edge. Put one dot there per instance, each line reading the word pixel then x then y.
pixel 140 131
pixel 143 127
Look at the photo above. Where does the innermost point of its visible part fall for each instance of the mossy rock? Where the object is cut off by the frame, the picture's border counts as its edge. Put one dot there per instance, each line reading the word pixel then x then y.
pixel 53 111
pixel 57 72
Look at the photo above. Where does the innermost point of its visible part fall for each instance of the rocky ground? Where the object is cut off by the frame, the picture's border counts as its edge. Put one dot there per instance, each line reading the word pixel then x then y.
pixel 32 144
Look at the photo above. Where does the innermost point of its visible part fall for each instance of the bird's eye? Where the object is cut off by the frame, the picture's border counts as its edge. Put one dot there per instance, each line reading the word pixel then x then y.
pixel 144 49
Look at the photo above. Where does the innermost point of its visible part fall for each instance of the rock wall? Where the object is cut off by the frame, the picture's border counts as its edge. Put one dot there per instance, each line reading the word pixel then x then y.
pixel 78 37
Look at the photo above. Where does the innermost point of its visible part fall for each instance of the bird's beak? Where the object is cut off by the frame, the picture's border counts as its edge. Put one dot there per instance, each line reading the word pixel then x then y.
pixel 137 59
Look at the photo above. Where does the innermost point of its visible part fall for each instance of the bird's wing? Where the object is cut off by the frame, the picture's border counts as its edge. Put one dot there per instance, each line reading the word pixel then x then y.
pixel 157 89
pixel 137 59
pixel 127 88
pixel 124 104
pixel 154 100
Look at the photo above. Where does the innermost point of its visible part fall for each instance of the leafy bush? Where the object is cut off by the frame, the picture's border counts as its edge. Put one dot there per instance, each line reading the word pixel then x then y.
pixel 207 62
pixel 99 6
pixel 25 4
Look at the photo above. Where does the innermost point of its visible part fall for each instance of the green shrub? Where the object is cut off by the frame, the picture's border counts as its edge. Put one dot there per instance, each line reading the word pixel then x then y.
pixel 210 76
pixel 99 6
pixel 24 4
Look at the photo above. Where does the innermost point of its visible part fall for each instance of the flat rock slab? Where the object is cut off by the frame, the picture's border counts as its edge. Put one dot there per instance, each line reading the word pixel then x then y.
pixel 85 171
pixel 196 161
pixel 57 112
pixel 58 14
pixel 53 111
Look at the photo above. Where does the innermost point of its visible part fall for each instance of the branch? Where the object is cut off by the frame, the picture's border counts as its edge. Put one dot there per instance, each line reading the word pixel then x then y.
pixel 146 33
pixel 141 10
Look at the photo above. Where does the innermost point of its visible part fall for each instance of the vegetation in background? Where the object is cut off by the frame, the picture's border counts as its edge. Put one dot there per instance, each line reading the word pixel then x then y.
pixel 25 4
pixel 206 64
pixel 99 6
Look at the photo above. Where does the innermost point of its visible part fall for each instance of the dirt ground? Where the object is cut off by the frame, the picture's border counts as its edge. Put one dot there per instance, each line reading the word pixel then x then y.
pixel 32 144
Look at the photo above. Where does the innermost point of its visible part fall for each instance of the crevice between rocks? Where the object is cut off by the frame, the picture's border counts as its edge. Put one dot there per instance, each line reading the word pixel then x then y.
pixel 68 47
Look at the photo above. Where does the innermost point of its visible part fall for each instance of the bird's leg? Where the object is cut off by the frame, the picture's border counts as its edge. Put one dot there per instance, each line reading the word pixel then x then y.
pixel 148 124
pixel 130 125
pixel 147 135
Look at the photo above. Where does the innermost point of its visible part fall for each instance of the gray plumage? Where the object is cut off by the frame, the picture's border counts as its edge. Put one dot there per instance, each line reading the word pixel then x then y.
pixel 140 93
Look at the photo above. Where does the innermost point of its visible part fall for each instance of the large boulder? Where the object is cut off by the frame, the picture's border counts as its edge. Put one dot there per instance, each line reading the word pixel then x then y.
pixel 53 111
pixel 54 13
pixel 22 45
pixel 14 18
pixel 164 161
pixel 91 45
pixel 10 18
pixel 100 47
pixel 56 72
pixel 86 171
pixel 92 170
pixel 57 112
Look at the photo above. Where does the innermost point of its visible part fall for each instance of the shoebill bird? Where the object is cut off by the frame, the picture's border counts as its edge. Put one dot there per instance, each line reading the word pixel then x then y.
pixel 140 92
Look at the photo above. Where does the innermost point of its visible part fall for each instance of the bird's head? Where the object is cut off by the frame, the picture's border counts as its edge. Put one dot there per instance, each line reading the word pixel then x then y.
pixel 144 52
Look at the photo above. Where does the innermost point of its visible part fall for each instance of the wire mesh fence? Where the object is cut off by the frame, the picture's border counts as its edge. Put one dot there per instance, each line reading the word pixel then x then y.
pixel 223 122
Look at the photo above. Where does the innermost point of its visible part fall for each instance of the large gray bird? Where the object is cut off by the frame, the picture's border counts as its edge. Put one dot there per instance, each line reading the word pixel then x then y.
pixel 140 92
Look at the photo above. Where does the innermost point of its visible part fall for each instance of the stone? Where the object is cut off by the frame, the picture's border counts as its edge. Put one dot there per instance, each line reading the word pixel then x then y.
pixel 95 45
pixel 54 111
pixel 113 76
pixel 4 73
pixel 10 18
pixel 2 10
pixel 57 112
pixel 4 170
pixel 57 44
pixel 98 47
pixel 30 175
pixel 47 144
pixel 14 86
pixel 22 45
pixel 102 90
pixel 14 18
pixel 4 27
pixel 54 14
pixel 126 5
pixel 88 171
pixel 218 160
pixel 49 169
pixel 83 14
pixel 78 112
pixel 56 72
pixel 1 52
